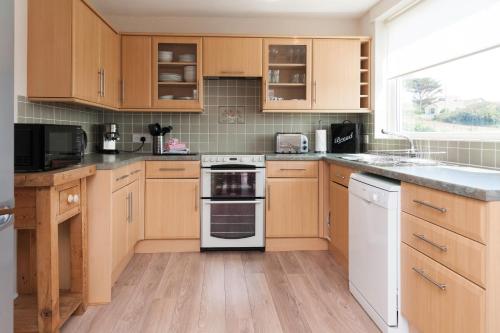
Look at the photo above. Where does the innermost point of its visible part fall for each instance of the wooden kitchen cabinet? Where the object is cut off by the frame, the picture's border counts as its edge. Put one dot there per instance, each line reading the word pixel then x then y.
pixel 286 83
pixel 186 93
pixel 232 56
pixel 172 209
pixel 292 207
pixel 116 224
pixel 73 55
pixel 336 74
pixel 136 72
pixel 339 223
pixel 126 221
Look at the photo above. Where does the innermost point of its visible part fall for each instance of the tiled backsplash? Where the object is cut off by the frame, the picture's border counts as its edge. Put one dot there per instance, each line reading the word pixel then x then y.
pixel 475 153
pixel 62 114
pixel 232 120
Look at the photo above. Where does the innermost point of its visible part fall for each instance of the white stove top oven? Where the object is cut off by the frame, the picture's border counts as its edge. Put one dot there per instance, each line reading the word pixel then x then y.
pixel 233 202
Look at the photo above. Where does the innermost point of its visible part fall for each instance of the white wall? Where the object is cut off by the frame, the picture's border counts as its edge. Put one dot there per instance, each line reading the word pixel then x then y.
pixel 237 25
pixel 20 49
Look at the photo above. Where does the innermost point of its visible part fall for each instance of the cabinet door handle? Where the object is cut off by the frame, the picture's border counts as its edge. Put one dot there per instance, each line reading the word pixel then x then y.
pixel 421 272
pixel 266 91
pixel 314 92
pixel 172 169
pixel 99 75
pixel 103 83
pixel 428 204
pixel 196 198
pixel 131 207
pixel 134 172
pixel 121 178
pixel 128 207
pixel 292 169
pixel 443 248
pixel 123 91
pixel 232 72
pixel 268 197
pixel 340 176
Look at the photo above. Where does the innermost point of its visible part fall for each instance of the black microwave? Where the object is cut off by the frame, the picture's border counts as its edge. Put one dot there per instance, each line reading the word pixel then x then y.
pixel 42 147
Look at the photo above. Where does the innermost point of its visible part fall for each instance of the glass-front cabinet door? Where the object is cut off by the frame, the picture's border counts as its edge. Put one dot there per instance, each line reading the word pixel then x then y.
pixel 287 74
pixel 177 80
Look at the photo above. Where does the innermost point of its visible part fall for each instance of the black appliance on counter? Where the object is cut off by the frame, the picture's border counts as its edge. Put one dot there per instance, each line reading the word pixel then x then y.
pixel 347 138
pixel 43 147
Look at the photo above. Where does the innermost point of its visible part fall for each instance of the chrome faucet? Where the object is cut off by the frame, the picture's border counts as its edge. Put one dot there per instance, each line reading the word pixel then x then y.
pixel 413 151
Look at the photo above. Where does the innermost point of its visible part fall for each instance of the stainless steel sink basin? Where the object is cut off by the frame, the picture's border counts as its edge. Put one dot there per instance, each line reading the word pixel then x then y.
pixel 389 160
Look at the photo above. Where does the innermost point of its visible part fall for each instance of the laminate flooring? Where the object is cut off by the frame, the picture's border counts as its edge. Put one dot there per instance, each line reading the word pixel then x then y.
pixel 228 292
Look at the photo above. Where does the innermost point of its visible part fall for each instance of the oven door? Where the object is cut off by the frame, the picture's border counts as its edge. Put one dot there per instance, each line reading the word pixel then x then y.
pixel 233 183
pixel 231 223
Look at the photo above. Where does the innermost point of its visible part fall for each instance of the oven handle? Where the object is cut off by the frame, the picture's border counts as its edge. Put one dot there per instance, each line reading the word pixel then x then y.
pixel 232 202
pixel 234 170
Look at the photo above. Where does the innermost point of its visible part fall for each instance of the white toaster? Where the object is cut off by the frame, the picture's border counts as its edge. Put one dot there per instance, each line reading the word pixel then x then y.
pixel 291 143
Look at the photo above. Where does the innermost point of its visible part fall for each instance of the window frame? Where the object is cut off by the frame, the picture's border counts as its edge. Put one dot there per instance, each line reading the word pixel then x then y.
pixel 387 114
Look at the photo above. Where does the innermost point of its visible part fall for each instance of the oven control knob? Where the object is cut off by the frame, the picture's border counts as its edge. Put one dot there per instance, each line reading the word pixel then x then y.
pixel 220 159
pixel 375 197
pixel 246 159
pixel 212 159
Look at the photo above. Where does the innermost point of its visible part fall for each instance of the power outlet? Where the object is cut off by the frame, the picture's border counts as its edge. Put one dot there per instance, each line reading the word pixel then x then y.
pixel 136 137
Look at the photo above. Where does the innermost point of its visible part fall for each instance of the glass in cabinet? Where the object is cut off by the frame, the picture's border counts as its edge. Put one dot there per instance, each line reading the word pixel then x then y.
pixel 177 81
pixel 287 74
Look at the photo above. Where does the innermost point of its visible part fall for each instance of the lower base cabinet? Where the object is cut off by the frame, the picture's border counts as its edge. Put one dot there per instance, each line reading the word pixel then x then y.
pixel 436 299
pixel 172 209
pixel 292 207
pixel 339 223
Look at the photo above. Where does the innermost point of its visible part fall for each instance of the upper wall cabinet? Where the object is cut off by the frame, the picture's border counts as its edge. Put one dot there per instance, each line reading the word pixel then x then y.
pixel 336 74
pixel 73 55
pixel 136 72
pixel 232 56
pixel 177 82
pixel 287 74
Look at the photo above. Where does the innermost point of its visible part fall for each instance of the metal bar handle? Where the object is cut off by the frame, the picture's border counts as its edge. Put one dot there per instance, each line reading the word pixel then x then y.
pixel 123 91
pixel 122 177
pixel 134 172
pixel 99 91
pixel 268 199
pixel 232 72
pixel 232 202
pixel 292 169
pixel 103 83
pixel 128 207
pixel 131 207
pixel 314 92
pixel 428 204
pixel 235 170
pixel 421 272
pixel 196 198
pixel 443 248
pixel 172 169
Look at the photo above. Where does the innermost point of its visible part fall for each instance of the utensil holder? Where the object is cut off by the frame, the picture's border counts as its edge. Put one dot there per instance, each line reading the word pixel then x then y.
pixel 158 143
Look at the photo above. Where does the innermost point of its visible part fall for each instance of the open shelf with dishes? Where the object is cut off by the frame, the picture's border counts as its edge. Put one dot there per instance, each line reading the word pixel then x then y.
pixel 177 83
pixel 287 71
pixel 364 89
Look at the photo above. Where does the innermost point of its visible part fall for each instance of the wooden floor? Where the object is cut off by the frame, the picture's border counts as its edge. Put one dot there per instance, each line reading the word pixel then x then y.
pixel 228 292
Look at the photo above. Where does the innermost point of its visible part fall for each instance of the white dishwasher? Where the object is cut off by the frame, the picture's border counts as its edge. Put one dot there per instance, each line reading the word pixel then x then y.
pixel 374 279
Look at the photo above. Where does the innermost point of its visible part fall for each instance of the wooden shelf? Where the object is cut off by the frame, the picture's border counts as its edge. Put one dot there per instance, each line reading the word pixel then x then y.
pixel 176 83
pixel 364 70
pixel 364 58
pixel 364 83
pixel 284 65
pixel 364 96
pixel 287 84
pixel 26 310
pixel 177 63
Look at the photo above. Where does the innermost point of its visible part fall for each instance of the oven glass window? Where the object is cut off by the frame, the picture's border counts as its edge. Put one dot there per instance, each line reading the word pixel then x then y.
pixel 232 221
pixel 233 184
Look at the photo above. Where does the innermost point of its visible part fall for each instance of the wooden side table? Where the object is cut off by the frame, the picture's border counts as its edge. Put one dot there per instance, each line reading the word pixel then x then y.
pixel 43 201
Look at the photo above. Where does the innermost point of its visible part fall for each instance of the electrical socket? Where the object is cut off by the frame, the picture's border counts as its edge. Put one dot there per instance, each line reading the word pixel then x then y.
pixel 136 137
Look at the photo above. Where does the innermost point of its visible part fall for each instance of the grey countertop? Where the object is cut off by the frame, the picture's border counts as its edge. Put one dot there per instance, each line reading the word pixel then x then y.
pixel 463 181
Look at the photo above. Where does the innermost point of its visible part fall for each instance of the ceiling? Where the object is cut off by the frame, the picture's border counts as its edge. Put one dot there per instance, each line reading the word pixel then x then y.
pixel 235 8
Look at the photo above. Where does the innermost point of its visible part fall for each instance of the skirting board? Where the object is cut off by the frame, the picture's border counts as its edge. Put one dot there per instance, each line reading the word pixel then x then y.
pixel 296 244
pixel 167 245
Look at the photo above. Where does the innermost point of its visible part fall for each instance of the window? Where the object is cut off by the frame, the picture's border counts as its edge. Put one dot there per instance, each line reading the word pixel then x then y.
pixel 440 70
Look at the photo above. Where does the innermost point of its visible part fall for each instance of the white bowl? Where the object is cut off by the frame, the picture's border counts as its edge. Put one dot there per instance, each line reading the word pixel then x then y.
pixel 165 56
pixel 167 97
pixel 189 73
pixel 186 57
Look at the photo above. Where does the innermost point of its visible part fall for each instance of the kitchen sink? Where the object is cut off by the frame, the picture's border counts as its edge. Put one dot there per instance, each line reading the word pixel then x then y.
pixel 389 160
